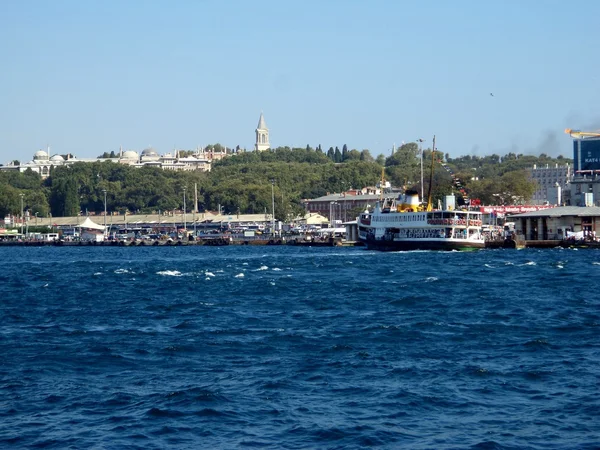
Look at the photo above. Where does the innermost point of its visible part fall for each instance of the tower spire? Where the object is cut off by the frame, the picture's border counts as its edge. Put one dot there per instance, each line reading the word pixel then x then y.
pixel 262 135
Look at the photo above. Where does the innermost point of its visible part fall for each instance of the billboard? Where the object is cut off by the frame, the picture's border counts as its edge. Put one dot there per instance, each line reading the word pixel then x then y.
pixel 586 154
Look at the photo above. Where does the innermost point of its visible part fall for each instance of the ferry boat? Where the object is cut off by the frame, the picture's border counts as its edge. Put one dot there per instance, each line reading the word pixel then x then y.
pixel 403 224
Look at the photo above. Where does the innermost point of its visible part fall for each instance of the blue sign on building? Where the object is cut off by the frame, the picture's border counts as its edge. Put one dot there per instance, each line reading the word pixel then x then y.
pixel 586 154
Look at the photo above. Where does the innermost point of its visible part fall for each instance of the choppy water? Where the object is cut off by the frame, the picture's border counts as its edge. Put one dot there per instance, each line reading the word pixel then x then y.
pixel 287 347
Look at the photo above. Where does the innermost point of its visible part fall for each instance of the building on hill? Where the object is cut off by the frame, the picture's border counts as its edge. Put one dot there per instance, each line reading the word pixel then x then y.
pixel 552 184
pixel 262 135
pixel 200 160
pixel 42 162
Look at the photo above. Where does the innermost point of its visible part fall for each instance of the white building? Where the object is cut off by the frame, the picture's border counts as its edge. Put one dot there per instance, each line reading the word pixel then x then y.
pixel 262 135
pixel 201 160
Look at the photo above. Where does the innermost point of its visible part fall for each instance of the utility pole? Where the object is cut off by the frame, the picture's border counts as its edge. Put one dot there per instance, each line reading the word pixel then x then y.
pixel 22 218
pixel 429 205
pixel 273 202
pixel 104 191
pixel 420 141
pixel 184 224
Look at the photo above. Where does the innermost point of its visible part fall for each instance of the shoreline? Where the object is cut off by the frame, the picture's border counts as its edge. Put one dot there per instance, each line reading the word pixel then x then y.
pixel 214 242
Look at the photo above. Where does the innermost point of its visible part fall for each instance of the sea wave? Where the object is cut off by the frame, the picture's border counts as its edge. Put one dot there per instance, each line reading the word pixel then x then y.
pixel 310 348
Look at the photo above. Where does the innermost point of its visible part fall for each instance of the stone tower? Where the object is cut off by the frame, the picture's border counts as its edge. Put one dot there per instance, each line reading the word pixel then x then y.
pixel 262 135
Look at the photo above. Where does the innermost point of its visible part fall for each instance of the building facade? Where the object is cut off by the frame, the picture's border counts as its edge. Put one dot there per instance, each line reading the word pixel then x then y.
pixel 558 223
pixel 552 184
pixel 342 207
pixel 200 160
pixel 585 182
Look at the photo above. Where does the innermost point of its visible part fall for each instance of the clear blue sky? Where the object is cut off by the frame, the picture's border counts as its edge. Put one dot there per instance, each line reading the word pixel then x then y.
pixel 88 76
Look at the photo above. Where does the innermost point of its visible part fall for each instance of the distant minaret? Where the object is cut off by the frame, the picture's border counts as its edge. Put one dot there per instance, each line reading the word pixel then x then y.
pixel 262 135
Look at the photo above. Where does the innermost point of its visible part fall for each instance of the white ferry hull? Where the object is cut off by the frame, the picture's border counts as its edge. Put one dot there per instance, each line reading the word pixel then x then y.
pixel 423 244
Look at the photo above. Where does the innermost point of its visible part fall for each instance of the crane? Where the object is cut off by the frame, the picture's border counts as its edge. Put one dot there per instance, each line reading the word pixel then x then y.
pixel 578 134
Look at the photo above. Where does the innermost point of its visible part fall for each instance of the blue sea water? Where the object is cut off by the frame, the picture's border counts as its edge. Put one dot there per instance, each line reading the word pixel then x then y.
pixel 288 347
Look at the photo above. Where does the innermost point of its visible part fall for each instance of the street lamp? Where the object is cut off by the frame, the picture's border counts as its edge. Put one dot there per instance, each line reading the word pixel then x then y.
pixel 22 219
pixel 184 224
pixel 332 206
pixel 104 191
pixel 273 204
pixel 194 216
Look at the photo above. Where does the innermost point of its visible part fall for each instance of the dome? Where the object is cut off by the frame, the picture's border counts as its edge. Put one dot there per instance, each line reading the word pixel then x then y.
pixel 130 154
pixel 149 152
pixel 40 155
pixel 57 158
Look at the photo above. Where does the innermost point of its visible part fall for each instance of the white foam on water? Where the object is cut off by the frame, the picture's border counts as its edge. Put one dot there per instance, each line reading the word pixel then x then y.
pixel 122 271
pixel 170 273
pixel 209 274
pixel 262 268
pixel 276 269
pixel 239 275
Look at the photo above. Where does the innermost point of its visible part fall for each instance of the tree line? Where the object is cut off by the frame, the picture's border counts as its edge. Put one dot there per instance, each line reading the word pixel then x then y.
pixel 246 181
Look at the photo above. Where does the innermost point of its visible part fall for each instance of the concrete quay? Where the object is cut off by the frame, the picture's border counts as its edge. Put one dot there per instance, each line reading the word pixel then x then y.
pixel 212 241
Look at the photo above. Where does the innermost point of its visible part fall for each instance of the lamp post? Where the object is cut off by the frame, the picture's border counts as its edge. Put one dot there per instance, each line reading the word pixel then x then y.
pixel 22 218
pixel 36 218
pixel 332 206
pixel 184 224
pixel 104 191
pixel 273 205
pixel 194 216
pixel 420 141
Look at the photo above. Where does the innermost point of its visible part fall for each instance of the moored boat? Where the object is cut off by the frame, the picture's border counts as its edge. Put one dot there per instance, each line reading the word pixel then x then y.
pixel 402 224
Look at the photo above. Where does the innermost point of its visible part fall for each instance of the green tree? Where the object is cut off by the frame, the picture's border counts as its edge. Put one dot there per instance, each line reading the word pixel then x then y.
pixel 344 152
pixel 337 157
pixel 10 202
pixel 403 167
pixel 331 153
pixel 64 200
pixel 354 155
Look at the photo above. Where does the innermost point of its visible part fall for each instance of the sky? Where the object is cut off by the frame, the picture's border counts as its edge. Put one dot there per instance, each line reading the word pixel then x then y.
pixel 86 77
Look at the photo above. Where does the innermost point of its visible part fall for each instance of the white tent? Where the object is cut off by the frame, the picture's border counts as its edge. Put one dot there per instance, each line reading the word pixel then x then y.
pixel 87 223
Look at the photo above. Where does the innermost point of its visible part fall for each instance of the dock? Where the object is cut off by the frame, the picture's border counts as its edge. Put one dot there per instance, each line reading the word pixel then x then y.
pixel 208 241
